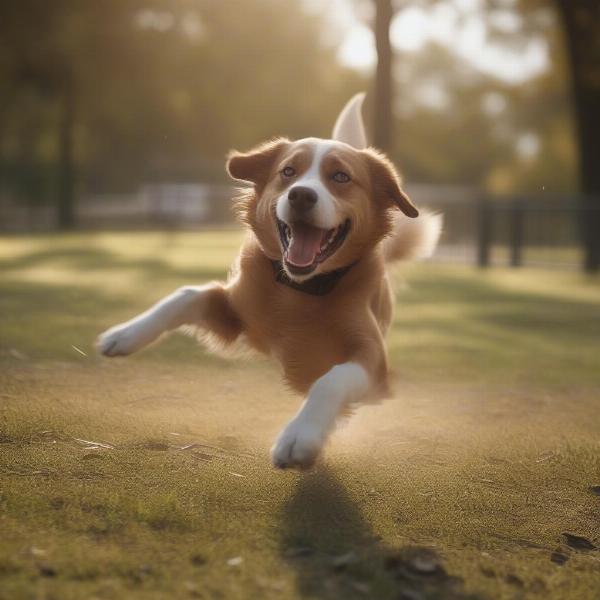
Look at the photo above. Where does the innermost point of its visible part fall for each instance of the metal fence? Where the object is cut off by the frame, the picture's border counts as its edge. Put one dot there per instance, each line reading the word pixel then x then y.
pixel 157 205
pixel 549 232
pixel 519 231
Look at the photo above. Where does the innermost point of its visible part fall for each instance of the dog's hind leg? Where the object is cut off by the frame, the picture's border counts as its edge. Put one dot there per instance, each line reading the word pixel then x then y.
pixel 204 306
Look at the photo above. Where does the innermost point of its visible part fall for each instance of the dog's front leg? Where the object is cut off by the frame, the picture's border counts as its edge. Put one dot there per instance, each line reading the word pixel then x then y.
pixel 299 444
pixel 204 306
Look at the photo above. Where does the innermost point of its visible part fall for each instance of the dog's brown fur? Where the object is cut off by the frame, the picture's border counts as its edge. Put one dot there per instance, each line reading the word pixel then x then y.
pixel 310 334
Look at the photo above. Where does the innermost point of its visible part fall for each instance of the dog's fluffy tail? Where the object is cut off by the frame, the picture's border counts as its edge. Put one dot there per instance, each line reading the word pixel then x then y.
pixel 413 239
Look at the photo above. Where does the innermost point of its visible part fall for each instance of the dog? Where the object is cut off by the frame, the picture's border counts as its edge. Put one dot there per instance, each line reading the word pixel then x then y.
pixel 309 286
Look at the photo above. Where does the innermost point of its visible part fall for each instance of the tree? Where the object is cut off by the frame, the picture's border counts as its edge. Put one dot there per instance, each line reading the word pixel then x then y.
pixel 383 117
pixel 581 19
pixel 581 26
pixel 121 92
pixel 59 50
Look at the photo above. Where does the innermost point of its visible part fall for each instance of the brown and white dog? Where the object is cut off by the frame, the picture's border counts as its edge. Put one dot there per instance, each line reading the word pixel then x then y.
pixel 309 286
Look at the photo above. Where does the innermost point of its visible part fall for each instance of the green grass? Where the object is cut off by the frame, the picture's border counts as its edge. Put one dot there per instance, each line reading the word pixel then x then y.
pixel 483 458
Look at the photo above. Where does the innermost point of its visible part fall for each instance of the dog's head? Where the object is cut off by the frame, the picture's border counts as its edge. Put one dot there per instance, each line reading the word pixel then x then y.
pixel 318 205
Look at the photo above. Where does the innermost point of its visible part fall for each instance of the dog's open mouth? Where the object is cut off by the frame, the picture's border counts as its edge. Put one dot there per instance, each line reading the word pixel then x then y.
pixel 306 246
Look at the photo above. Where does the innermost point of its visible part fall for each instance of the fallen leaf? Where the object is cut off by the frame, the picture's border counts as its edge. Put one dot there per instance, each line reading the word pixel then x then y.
pixel 417 564
pixel 559 557
pixel 578 542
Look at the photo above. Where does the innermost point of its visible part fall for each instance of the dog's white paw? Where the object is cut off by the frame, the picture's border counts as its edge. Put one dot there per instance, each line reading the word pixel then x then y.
pixel 125 338
pixel 298 445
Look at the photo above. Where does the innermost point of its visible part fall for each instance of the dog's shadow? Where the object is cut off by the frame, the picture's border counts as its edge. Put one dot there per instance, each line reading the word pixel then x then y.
pixel 328 542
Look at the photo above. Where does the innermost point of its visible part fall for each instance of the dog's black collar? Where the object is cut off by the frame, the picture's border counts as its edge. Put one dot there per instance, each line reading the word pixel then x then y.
pixel 319 285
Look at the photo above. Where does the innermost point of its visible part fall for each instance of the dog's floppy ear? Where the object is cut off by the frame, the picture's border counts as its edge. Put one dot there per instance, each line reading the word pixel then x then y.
pixel 386 183
pixel 349 126
pixel 255 166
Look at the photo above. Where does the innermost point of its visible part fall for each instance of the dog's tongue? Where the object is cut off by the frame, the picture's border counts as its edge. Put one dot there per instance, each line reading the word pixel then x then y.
pixel 305 244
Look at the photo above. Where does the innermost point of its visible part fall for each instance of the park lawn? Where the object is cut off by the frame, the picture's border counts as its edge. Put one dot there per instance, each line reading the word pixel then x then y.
pixel 460 486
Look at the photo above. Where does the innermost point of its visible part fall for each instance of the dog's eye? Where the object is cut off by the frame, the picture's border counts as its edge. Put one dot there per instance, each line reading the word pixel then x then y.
pixel 341 177
pixel 288 172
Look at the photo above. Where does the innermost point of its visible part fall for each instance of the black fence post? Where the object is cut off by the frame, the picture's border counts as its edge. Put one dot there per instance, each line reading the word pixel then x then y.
pixel 484 233
pixel 517 213
pixel 590 212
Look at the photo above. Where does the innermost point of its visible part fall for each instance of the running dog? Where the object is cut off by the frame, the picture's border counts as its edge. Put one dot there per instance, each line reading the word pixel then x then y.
pixel 309 287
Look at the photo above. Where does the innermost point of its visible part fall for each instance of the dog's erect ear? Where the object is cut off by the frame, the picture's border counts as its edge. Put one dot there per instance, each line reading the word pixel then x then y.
pixel 255 166
pixel 349 126
pixel 386 183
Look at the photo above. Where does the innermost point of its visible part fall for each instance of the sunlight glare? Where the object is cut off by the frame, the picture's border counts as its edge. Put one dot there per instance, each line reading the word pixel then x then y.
pixel 410 29
pixel 413 28
pixel 358 48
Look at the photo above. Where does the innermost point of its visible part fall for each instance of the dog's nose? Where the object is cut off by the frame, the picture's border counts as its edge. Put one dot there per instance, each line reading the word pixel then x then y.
pixel 302 199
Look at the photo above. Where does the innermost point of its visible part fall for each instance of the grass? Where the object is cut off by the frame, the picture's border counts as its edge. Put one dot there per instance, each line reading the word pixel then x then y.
pixel 460 486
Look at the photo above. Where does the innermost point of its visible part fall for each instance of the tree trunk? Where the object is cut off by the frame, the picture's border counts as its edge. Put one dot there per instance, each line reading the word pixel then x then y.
pixel 383 124
pixel 581 20
pixel 66 168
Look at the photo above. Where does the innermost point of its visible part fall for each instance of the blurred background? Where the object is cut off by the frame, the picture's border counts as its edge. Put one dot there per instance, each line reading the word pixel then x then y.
pixel 118 114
